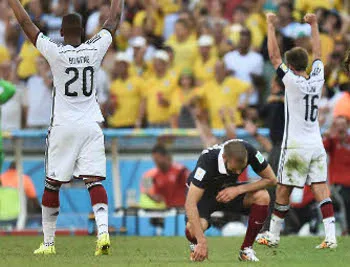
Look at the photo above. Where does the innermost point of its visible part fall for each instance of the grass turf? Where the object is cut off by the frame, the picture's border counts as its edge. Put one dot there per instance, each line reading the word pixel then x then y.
pixel 168 251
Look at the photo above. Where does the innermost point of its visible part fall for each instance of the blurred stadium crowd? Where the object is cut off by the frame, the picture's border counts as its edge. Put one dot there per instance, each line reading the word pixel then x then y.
pixel 173 56
pixel 188 64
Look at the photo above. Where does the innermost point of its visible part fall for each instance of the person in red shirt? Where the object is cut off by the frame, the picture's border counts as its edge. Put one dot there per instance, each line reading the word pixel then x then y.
pixel 337 145
pixel 166 183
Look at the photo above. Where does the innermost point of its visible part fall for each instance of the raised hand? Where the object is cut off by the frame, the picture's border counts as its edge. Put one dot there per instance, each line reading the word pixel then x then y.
pixel 310 18
pixel 271 18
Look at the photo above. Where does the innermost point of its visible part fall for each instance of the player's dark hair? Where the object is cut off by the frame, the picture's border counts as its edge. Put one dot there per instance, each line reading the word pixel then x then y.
pixel 298 58
pixel 12 165
pixel 72 24
pixel 160 149
pixel 236 150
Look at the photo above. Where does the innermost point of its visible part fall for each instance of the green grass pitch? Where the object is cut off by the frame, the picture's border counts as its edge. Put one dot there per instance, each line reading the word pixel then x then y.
pixel 168 251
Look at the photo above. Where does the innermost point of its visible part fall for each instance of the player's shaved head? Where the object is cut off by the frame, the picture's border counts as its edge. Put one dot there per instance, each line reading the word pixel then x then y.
pixel 297 58
pixel 72 25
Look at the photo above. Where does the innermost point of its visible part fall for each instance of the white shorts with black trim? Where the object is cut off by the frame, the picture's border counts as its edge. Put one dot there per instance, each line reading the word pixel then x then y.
pixel 300 166
pixel 75 150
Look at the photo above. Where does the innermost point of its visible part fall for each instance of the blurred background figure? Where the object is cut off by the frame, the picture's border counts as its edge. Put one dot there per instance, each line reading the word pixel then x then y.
pixel 163 186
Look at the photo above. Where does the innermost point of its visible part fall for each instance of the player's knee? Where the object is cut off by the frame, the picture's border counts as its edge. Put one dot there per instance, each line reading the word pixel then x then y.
pixel 261 197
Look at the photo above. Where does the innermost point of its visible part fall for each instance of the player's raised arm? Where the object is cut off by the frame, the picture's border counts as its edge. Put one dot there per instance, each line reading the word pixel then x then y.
pixel 315 35
pixel 30 29
pixel 115 12
pixel 272 44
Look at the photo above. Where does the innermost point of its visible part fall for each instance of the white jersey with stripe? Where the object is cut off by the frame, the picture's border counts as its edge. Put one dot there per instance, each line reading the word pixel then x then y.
pixel 74 71
pixel 302 98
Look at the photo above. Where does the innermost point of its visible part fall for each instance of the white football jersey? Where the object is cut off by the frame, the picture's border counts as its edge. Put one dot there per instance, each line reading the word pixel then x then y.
pixel 74 71
pixel 302 97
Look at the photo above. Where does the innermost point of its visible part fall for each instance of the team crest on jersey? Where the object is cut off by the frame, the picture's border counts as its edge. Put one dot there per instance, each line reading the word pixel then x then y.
pixel 260 157
pixel 166 83
pixel 199 174
pixel 129 86
pixel 209 69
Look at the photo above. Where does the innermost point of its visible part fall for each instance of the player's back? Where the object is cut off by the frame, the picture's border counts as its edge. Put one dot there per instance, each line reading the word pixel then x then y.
pixel 74 71
pixel 302 97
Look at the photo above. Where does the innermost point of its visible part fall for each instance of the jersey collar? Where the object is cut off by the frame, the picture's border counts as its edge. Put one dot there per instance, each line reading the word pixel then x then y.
pixel 221 163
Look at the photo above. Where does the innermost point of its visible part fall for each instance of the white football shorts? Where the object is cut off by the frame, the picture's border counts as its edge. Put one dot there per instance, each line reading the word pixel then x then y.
pixel 300 166
pixel 75 150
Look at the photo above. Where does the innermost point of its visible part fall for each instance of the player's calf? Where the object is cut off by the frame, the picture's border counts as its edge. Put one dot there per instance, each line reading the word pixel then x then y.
pixel 326 207
pixel 257 218
pixel 50 211
pixel 99 202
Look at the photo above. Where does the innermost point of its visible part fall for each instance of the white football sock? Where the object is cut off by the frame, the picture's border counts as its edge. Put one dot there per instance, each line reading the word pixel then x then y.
pixel 276 226
pixel 329 228
pixel 101 218
pixel 49 219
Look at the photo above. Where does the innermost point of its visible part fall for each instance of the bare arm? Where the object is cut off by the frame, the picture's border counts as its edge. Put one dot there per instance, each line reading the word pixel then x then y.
pixel 251 128
pixel 142 111
pixel 272 44
pixel 268 179
pixel 230 193
pixel 206 135
pixel 315 35
pixel 115 12
pixel 24 20
pixel 193 196
pixel 229 125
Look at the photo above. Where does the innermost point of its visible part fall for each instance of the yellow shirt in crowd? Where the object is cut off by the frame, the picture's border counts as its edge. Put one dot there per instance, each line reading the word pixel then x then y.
pixel 185 53
pixel 310 5
pixel 157 114
pixel 158 19
pixel 216 96
pixel 4 54
pixel 205 72
pixel 327 47
pixel 180 98
pixel 128 95
pixel 256 23
pixel 27 67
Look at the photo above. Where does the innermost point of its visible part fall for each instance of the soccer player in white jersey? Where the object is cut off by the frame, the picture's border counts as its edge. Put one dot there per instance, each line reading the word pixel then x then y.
pixel 75 142
pixel 303 158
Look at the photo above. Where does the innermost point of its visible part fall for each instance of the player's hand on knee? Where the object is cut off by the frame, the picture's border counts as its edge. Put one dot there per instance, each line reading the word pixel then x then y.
pixel 227 194
pixel 201 251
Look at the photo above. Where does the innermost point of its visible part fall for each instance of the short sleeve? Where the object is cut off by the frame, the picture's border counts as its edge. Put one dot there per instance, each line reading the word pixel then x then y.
pixel 200 176
pixel 255 159
pixel 317 69
pixel 101 41
pixel 47 47
pixel 241 87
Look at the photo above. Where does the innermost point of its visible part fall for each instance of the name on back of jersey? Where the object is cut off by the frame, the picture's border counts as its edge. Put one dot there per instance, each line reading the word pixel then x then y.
pixel 79 60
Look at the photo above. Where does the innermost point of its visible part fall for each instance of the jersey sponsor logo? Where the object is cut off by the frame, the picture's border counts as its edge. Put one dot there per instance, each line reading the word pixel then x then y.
pixel 284 68
pixel 199 174
pixel 260 157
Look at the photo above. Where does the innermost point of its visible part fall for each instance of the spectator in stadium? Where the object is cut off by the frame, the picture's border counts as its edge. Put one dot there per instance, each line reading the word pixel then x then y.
pixel 233 31
pixel 342 107
pixel 28 55
pixel 273 114
pixel 93 21
pixel 164 185
pixel 204 66
pixel 12 116
pixel 244 63
pixel 337 145
pixel 39 93
pixel 224 91
pixel 184 45
pixel 126 94
pixel 10 179
pixel 182 100
pixel 160 88
pixel 140 53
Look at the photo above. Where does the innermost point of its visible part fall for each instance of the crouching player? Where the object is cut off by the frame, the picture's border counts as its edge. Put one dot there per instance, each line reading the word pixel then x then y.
pixel 213 186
